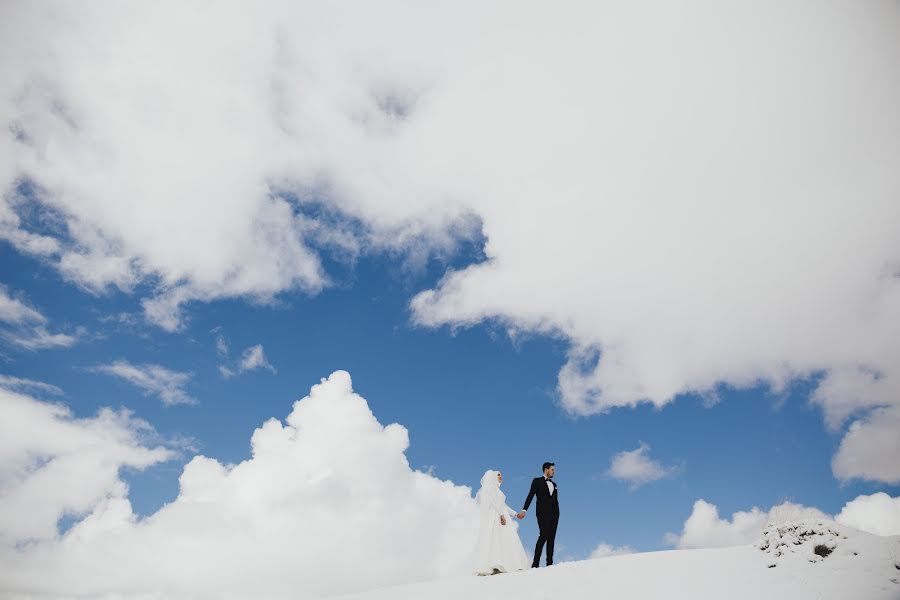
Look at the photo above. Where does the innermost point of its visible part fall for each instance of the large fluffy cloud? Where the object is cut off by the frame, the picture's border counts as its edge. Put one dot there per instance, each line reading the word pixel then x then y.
pixel 178 155
pixel 53 464
pixel 878 513
pixel 327 503
pixel 720 183
pixel 690 196
pixel 704 528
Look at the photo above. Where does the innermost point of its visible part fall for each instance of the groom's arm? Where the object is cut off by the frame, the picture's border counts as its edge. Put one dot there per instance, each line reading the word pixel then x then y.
pixel 531 494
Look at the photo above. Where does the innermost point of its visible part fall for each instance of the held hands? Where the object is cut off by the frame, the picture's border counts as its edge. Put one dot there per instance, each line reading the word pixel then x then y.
pixel 502 519
pixel 520 515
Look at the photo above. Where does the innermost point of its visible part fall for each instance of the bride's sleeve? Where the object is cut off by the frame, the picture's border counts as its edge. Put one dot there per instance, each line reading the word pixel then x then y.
pixel 503 509
pixel 499 506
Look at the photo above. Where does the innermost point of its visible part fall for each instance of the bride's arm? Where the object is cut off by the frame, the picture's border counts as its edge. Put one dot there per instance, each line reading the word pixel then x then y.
pixel 506 510
pixel 501 509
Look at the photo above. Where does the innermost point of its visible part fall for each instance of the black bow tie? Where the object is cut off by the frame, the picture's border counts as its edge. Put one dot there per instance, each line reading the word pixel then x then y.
pixel 547 479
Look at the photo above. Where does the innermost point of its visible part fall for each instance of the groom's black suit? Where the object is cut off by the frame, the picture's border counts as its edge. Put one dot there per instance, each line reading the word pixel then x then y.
pixel 547 516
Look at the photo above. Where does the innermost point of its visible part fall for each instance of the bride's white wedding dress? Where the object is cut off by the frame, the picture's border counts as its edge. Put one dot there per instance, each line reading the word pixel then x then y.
pixel 499 546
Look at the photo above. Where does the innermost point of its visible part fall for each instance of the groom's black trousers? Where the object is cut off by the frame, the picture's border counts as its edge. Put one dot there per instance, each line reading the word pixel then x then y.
pixel 547 529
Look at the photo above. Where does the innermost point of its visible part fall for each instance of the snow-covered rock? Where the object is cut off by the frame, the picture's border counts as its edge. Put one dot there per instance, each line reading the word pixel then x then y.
pixel 860 566
pixel 812 539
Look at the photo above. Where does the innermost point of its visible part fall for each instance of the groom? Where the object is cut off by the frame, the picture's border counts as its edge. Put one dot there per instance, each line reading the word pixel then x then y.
pixel 547 512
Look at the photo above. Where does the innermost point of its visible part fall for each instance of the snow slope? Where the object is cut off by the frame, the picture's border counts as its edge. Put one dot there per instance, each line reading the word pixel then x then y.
pixel 782 564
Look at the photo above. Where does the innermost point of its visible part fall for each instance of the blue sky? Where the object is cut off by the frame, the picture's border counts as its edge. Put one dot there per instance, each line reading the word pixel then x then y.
pixel 471 398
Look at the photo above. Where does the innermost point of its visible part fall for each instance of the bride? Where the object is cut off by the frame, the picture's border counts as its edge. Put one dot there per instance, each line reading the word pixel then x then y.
pixel 499 549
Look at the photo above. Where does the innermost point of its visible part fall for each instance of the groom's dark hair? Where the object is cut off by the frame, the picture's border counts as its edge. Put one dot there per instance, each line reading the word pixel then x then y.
pixel 547 466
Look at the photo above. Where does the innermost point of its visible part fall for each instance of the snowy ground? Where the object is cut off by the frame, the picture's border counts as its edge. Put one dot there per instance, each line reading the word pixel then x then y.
pixel 782 564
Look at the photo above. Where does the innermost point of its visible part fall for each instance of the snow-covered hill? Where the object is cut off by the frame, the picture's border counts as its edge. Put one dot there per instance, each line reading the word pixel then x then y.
pixel 782 564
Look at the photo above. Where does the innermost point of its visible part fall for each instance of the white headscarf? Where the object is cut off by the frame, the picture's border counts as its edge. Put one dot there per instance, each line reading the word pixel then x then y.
pixel 490 494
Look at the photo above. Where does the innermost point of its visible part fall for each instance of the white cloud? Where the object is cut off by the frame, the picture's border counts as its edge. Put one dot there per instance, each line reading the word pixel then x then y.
pixel 153 379
pixel 846 391
pixel 39 339
pixel 637 468
pixel 870 448
pixel 53 464
pixel 25 327
pixel 603 550
pixel 14 383
pixel 221 342
pixel 878 513
pixel 326 504
pixel 239 127
pixel 16 312
pixel 254 358
pixel 685 214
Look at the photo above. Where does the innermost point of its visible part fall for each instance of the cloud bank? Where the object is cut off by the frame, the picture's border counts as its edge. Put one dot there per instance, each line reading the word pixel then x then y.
pixel 704 528
pixel 690 196
pixel 326 504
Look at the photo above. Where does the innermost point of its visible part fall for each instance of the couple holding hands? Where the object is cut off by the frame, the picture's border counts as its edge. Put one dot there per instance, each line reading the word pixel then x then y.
pixel 499 549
